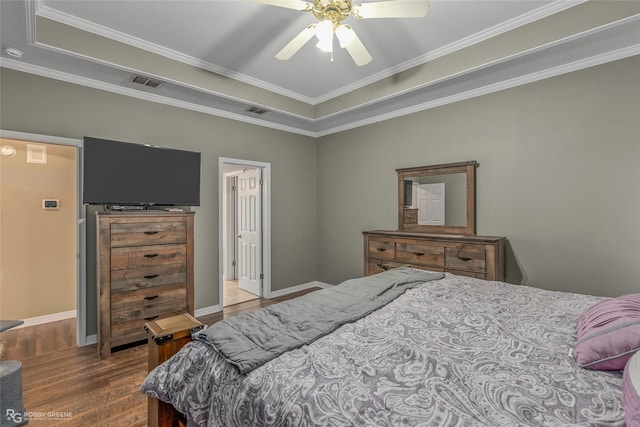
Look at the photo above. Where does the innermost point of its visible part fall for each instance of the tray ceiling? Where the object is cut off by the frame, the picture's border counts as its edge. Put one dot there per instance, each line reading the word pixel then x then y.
pixel 218 57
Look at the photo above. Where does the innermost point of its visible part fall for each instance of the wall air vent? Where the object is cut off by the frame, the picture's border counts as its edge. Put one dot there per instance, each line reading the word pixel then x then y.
pixel 256 110
pixel 146 81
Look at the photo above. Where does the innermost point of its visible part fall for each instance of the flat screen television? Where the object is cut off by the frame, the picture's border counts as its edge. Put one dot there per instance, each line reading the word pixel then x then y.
pixel 122 173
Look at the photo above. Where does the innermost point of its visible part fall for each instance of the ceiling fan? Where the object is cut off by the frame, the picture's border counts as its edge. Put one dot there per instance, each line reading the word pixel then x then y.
pixel 331 13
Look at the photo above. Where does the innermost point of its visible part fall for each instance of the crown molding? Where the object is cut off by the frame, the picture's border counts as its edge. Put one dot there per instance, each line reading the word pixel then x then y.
pixel 95 84
pixel 540 13
pixel 495 87
pixel 64 18
pixel 40 9
pixel 35 137
pixel 491 88
pixel 506 59
pixel 609 35
pixel 164 79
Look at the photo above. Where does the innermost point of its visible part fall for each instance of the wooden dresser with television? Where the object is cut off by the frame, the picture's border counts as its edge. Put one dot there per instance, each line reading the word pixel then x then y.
pixel 145 272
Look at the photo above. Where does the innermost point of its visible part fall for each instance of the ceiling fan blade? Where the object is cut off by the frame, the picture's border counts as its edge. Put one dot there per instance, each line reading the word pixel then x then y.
pixel 391 9
pixel 298 41
pixel 289 4
pixel 358 52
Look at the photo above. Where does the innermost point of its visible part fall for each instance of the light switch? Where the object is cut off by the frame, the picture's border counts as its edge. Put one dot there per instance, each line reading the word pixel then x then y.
pixel 50 203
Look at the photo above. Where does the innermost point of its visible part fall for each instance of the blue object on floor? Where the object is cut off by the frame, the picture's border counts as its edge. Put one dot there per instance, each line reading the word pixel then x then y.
pixel 12 411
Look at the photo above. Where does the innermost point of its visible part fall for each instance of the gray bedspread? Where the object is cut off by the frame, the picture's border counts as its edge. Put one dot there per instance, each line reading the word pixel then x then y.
pixel 249 340
pixel 456 352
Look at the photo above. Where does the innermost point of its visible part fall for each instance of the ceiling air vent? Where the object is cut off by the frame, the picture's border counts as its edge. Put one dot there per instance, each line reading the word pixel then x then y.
pixel 146 81
pixel 256 110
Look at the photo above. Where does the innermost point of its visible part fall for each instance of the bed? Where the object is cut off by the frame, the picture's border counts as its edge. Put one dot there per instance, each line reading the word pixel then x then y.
pixel 455 351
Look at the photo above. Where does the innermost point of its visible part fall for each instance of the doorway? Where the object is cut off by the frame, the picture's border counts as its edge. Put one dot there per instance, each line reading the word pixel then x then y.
pixel 60 160
pixel 244 225
pixel 430 202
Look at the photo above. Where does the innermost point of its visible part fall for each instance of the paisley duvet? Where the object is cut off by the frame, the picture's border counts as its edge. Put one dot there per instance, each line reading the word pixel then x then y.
pixel 452 352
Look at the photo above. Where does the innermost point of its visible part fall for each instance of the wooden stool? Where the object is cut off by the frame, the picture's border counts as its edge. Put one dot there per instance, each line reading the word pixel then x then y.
pixel 166 337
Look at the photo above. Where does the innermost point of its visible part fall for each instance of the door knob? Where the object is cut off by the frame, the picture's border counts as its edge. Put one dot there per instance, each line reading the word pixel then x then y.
pixel 239 236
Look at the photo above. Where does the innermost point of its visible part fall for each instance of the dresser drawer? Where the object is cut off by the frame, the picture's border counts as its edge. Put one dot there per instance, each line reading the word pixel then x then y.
pixel 125 327
pixel 158 275
pixel 130 310
pixel 475 256
pixel 148 233
pixel 466 257
pixel 417 253
pixel 410 216
pixel 122 302
pixel 380 265
pixel 382 249
pixel 143 256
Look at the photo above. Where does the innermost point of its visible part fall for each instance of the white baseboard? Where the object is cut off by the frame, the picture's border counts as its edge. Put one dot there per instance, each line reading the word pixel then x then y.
pixel 208 310
pixel 47 318
pixel 302 287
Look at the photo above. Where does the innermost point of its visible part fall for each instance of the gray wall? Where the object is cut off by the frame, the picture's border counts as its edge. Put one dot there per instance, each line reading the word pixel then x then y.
pixel 559 176
pixel 39 105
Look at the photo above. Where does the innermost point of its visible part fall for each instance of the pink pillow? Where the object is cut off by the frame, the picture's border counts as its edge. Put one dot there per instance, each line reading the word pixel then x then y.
pixel 609 333
pixel 631 391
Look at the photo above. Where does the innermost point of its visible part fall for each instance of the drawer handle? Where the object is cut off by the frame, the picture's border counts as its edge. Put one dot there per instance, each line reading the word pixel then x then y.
pixel 151 255
pixel 151 298
pixel 151 276
pixel 152 317
pixel 381 249
pixel 462 258
pixel 382 266
pixel 150 232
pixel 418 253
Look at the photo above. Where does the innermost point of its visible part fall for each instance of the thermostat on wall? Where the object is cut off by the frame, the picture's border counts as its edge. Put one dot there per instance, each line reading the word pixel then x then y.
pixel 50 203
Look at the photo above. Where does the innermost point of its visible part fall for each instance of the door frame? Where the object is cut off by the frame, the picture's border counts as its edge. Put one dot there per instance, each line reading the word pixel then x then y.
pixel 266 222
pixel 81 259
pixel 230 227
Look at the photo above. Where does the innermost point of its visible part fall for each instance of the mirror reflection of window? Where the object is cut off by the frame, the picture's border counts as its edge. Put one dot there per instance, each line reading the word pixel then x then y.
pixel 408 193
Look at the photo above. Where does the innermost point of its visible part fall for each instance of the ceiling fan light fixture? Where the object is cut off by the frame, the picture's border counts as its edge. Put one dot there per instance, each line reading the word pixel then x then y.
pixel 345 35
pixel 331 13
pixel 325 45
pixel 324 33
pixel 324 30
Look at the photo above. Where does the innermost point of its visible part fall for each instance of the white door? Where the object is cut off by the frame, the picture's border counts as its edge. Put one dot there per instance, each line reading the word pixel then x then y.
pixel 249 231
pixel 430 199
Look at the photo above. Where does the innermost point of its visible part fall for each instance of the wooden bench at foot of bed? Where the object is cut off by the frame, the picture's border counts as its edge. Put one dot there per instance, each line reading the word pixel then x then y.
pixel 166 337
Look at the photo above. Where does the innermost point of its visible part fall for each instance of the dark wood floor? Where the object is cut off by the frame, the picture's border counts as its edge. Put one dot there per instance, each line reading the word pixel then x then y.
pixel 75 388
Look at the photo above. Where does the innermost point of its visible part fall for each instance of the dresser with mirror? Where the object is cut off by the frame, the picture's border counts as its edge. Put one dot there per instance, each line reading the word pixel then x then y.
pixel 436 226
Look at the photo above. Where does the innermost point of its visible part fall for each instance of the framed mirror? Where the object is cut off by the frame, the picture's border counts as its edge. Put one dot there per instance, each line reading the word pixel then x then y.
pixel 438 199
